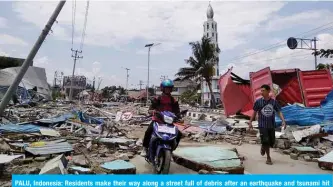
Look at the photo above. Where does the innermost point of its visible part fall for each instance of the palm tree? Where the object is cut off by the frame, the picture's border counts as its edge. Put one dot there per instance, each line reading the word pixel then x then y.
pixel 324 66
pixel 205 56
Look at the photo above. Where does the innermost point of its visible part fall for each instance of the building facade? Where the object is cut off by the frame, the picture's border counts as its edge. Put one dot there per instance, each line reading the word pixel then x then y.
pixel 180 87
pixel 79 84
pixel 210 31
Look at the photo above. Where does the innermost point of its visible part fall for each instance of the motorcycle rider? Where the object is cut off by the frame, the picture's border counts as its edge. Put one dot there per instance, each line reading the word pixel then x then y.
pixel 165 102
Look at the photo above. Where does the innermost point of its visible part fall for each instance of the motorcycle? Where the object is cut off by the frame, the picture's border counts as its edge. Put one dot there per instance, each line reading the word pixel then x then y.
pixel 163 141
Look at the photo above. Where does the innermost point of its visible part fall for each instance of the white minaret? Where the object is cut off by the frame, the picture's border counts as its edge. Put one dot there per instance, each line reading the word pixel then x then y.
pixel 210 31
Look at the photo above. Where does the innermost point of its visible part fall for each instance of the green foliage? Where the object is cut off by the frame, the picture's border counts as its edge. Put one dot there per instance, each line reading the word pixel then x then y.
pixel 55 94
pixel 324 66
pixel 205 56
pixel 326 53
pixel 109 90
pixel 190 97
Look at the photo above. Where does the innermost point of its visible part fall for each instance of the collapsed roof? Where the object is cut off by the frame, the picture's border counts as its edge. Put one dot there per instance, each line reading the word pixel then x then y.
pixel 35 76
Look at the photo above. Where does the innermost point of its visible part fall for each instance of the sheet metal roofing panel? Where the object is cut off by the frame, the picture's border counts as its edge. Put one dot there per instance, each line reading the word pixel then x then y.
pixel 259 78
pixel 50 148
pixel 316 85
pixel 233 97
pixel 34 76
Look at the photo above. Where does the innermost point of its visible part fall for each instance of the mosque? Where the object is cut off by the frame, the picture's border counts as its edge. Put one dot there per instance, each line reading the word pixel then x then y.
pixel 210 31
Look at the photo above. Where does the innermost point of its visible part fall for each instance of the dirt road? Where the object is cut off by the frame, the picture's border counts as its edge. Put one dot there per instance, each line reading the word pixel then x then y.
pixel 254 163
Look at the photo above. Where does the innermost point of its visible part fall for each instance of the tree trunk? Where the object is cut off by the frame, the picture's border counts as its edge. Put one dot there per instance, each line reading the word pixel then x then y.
pixel 213 103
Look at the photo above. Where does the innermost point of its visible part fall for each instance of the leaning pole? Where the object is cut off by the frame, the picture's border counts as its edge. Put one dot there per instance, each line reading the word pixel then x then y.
pixel 30 57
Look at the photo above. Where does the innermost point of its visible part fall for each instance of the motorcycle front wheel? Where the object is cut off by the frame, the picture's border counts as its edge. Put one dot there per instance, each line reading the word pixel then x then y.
pixel 163 162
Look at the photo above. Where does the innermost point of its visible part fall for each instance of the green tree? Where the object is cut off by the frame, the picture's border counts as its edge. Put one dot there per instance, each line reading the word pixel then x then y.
pixel 324 53
pixel 190 97
pixel 324 66
pixel 205 56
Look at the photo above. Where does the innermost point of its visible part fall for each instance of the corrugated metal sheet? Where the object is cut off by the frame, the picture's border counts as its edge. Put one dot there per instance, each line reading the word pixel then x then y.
pixel 258 79
pixel 291 93
pixel 35 76
pixel 233 96
pixel 248 108
pixel 13 128
pixel 8 158
pixel 50 148
pixel 315 86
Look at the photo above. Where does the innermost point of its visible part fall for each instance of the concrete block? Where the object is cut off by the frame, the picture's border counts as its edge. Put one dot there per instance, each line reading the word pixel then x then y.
pixel 119 167
pixel 55 166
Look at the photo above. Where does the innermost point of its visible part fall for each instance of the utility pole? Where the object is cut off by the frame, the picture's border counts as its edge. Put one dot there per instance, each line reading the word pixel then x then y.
pixel 315 49
pixel 30 57
pixel 163 77
pixel 127 75
pixel 149 46
pixel 140 84
pixel 75 56
pixel 302 43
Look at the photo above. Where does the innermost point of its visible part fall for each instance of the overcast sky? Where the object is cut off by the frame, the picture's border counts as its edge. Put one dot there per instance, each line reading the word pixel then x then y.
pixel 117 31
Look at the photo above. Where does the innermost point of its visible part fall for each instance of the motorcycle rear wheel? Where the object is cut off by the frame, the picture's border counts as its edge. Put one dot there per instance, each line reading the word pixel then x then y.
pixel 163 163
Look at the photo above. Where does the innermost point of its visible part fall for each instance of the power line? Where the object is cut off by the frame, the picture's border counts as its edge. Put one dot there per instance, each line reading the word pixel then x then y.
pixel 278 44
pixel 84 26
pixel 73 20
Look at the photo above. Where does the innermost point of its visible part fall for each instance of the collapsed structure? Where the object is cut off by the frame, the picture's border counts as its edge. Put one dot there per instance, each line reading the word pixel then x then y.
pixel 291 86
pixel 34 77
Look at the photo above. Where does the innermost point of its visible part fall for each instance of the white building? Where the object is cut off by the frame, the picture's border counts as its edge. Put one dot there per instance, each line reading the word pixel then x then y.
pixel 210 31
pixel 179 88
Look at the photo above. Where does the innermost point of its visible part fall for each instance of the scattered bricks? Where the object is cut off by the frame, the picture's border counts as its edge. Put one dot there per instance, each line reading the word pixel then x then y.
pixel 315 159
pixel 79 170
pixel 123 157
pixel 282 143
pixel 294 156
pixel 203 171
pixel 40 159
pixel 89 145
pixel 219 172
pixel 130 155
pixel 32 170
pixel 27 160
pixel 4 147
pixel 252 142
pixel 80 160
pixel 287 151
pixel 307 158
pixel 234 142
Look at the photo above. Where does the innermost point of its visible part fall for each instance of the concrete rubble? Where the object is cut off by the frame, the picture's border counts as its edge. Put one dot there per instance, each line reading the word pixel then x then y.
pixel 67 138
pixel 62 137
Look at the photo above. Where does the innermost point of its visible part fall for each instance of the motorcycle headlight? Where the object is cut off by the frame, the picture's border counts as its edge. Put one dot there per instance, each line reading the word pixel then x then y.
pixel 167 119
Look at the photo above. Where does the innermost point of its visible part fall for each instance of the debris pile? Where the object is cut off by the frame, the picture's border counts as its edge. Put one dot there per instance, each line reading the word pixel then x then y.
pixel 58 138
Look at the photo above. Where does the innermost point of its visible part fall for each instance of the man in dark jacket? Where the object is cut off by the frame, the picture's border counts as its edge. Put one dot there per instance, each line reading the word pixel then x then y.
pixel 165 102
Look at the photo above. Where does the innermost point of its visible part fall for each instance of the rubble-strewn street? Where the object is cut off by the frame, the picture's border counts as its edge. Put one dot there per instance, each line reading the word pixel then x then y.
pixel 59 138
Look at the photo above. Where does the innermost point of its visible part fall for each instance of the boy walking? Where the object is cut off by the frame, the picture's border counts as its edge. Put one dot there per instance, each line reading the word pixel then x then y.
pixel 266 108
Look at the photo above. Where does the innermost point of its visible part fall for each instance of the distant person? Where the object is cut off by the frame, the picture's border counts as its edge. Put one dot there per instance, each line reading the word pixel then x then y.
pixel 266 108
